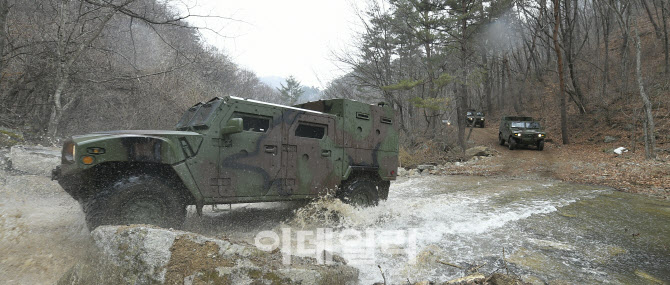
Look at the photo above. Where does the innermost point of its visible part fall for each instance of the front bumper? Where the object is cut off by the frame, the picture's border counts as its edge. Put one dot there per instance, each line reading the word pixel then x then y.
pixel 72 183
pixel 55 173
pixel 528 141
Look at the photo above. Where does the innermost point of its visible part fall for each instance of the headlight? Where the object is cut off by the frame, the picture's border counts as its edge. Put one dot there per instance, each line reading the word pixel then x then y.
pixel 540 135
pixel 517 134
pixel 68 153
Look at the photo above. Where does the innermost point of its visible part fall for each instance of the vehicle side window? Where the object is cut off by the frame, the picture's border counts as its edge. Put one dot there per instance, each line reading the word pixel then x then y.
pixel 309 130
pixel 254 123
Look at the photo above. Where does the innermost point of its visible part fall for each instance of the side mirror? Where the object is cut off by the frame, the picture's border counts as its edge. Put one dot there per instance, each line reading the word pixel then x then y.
pixel 233 126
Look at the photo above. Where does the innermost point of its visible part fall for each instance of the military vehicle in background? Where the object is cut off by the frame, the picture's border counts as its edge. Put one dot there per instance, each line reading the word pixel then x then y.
pixel 233 150
pixel 521 131
pixel 474 118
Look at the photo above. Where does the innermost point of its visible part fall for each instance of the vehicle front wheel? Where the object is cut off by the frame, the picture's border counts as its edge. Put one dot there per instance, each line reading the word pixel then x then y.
pixel 139 199
pixel 540 145
pixel 360 191
pixel 501 141
pixel 511 143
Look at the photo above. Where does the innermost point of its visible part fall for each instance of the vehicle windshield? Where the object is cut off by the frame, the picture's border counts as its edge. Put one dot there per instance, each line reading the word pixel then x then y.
pixel 468 114
pixel 480 114
pixel 198 115
pixel 525 125
pixel 188 115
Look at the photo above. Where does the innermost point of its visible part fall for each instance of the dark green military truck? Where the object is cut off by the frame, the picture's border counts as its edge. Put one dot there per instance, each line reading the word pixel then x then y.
pixel 521 131
pixel 474 118
pixel 233 150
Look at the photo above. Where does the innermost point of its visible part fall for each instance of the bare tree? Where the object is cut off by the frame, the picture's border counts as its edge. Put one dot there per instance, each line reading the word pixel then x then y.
pixel 559 60
pixel 648 122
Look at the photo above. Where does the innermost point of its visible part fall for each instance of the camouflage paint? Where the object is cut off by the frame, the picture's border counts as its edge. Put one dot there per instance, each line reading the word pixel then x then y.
pixel 526 136
pixel 268 163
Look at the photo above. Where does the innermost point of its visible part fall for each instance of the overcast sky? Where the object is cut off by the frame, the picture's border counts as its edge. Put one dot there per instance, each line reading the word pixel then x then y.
pixel 282 38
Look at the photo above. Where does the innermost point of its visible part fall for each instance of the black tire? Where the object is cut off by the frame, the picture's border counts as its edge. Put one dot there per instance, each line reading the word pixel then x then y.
pixel 360 191
pixel 511 143
pixel 139 199
pixel 501 141
pixel 540 145
pixel 481 125
pixel 383 189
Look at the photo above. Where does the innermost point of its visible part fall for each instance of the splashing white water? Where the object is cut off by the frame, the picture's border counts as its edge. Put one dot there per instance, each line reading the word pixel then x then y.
pixel 426 220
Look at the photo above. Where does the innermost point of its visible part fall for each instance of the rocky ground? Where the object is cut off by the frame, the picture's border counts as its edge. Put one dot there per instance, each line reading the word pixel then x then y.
pixel 588 164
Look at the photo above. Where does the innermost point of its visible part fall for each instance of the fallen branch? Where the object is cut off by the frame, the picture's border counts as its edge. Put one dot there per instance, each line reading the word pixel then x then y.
pixel 447 263
pixel 505 262
pixel 382 272
pixel 474 269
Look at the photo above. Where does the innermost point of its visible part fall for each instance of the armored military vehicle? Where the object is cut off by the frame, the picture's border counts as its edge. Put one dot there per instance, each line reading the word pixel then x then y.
pixel 521 131
pixel 474 118
pixel 233 150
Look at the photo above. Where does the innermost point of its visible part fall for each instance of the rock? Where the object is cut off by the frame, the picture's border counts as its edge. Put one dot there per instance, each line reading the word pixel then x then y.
pixel 423 167
pixel 34 160
pixel 610 139
pixel 4 158
pixel 502 279
pixel 139 254
pixel 620 150
pixel 476 277
pixel 414 172
pixel 478 151
pixel 402 172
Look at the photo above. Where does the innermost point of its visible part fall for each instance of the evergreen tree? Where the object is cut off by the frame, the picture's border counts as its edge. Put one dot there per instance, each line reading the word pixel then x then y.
pixel 291 92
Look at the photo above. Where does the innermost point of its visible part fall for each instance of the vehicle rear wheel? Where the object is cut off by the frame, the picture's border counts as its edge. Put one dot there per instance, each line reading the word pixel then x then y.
pixel 140 199
pixel 511 143
pixel 540 145
pixel 360 191
pixel 501 141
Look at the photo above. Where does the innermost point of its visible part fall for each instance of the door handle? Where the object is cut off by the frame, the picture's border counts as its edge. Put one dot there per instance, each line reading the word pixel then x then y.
pixel 271 148
pixel 325 153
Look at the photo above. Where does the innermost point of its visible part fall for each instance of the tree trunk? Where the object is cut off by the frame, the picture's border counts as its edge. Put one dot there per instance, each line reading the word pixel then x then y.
pixel 649 140
pixel 66 61
pixel 657 29
pixel 665 7
pixel 487 83
pixel 559 59
pixel 4 10
pixel 606 39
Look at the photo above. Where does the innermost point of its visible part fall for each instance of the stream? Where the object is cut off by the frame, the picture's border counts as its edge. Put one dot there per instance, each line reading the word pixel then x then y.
pixel 549 230
pixel 431 228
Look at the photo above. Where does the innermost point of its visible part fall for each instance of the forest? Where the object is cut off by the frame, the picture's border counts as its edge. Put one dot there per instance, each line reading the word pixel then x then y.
pixel 75 66
pixel 569 62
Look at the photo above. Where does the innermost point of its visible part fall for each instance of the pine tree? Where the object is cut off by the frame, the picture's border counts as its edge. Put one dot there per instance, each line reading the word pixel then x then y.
pixel 291 92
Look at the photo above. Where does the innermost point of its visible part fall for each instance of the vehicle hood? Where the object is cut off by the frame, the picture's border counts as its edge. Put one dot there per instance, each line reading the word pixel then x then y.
pixel 161 146
pixel 105 135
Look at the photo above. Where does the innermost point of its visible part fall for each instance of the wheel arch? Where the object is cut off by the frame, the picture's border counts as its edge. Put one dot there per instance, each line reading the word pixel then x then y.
pixel 100 176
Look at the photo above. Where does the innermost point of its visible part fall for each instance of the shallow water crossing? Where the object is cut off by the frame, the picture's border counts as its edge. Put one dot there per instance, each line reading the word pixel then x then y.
pixel 549 230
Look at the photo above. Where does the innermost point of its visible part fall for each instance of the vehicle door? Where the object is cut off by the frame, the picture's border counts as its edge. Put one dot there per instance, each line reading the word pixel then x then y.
pixel 310 154
pixel 250 161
